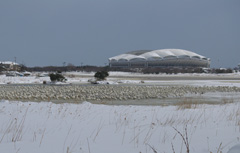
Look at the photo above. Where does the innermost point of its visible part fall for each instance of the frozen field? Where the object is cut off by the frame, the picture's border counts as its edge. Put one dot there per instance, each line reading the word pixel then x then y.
pixel 46 127
pixel 28 127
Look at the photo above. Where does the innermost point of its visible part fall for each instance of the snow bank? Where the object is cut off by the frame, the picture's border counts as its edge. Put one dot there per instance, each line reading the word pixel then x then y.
pixel 23 80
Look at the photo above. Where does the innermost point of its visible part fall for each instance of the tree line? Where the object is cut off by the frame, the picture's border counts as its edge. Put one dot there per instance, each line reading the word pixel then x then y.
pixel 150 70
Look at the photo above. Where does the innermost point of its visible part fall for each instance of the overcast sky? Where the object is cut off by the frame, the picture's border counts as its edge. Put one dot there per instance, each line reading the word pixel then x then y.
pixel 50 32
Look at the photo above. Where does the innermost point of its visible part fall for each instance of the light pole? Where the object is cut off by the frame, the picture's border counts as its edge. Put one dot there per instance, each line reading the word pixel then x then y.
pixel 82 66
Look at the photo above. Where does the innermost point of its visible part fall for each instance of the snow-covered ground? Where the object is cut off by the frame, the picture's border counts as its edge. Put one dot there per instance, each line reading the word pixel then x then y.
pixel 230 83
pixel 22 80
pixel 83 77
pixel 116 73
pixel 47 127
pixel 28 127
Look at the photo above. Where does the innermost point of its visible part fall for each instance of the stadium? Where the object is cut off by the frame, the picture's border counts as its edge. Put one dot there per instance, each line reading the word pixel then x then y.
pixel 159 58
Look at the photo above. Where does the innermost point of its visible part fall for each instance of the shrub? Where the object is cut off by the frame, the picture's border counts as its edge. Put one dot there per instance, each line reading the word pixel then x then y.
pixel 101 75
pixel 223 70
pixel 57 77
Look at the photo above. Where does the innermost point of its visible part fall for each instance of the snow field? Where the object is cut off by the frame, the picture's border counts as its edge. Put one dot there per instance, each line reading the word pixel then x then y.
pixel 23 80
pixel 83 77
pixel 82 128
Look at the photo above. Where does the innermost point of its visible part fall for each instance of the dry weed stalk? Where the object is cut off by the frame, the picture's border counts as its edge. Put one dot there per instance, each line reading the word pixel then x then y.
pixel 88 146
pixel 154 150
pixel 7 130
pixel 17 135
pixel 42 137
pixel 185 139
pixel 17 128
pixel 68 150
pixel 218 151
pixel 173 148
pixel 67 136
pixel 100 126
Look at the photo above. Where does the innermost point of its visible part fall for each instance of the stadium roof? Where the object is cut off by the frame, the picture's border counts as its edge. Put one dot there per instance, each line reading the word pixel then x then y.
pixel 157 54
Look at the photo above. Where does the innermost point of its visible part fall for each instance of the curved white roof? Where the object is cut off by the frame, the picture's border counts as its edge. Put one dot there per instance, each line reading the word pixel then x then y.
pixel 158 54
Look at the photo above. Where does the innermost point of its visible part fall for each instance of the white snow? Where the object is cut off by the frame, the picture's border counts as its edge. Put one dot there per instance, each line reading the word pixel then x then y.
pixel 47 127
pixel 83 77
pixel 230 83
pixel 54 128
pixel 22 80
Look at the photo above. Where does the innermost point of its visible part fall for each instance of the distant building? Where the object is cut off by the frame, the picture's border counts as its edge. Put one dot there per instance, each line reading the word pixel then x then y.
pixel 9 66
pixel 159 58
pixel 239 66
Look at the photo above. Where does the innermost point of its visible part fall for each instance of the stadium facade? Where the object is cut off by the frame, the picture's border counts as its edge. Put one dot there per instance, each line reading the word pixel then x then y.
pixel 159 58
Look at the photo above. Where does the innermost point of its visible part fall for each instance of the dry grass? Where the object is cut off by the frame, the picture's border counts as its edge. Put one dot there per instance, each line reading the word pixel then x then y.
pixel 184 138
pixel 187 104
pixel 42 137
pixel 15 128
pixel 227 100
pixel 126 121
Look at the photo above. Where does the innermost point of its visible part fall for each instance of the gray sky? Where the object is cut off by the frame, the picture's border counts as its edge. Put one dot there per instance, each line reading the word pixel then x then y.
pixel 50 32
